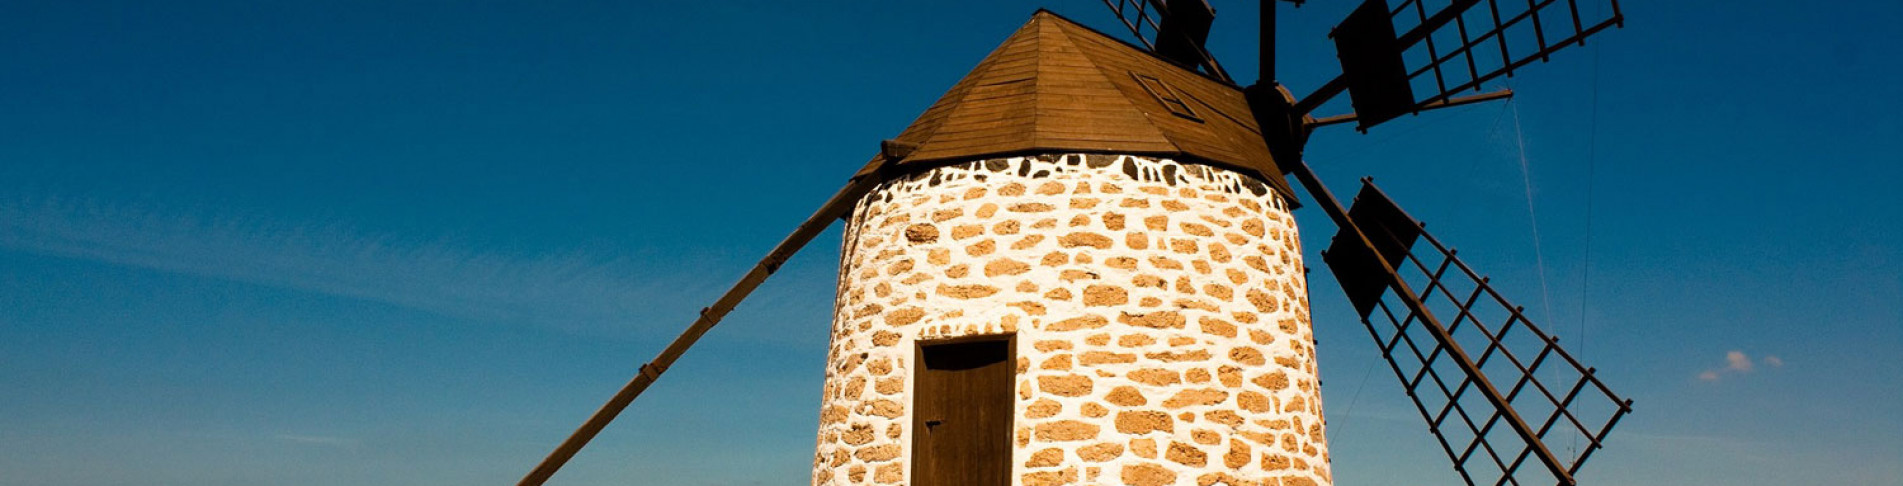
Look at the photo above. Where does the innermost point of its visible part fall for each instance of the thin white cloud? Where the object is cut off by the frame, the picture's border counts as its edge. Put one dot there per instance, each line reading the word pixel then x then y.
pixel 573 291
pixel 1737 361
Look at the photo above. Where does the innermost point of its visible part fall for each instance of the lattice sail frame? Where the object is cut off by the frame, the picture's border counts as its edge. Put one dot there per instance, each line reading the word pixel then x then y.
pixel 1421 54
pixel 1149 20
pixel 1430 46
pixel 1137 15
pixel 1431 368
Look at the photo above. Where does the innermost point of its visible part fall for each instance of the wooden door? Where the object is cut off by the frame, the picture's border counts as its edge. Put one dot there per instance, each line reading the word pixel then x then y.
pixel 961 425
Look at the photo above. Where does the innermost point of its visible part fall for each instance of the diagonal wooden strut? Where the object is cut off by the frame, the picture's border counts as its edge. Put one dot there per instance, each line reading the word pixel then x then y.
pixel 1402 290
pixel 837 206
pixel 1449 103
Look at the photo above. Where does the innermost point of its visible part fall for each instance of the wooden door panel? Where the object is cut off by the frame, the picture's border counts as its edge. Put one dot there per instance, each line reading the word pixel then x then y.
pixel 963 412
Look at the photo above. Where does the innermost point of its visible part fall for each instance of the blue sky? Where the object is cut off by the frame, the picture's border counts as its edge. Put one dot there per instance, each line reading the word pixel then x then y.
pixel 418 242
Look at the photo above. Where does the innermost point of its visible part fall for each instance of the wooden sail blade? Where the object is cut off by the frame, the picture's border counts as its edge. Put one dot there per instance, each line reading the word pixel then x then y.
pixel 1138 17
pixel 1172 30
pixel 1400 59
pixel 1392 232
pixel 1495 412
pixel 1184 29
pixel 1371 63
pixel 839 205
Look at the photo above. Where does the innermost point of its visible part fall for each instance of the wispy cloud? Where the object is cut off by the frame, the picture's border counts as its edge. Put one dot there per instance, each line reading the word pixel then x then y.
pixel 571 290
pixel 320 440
pixel 1737 363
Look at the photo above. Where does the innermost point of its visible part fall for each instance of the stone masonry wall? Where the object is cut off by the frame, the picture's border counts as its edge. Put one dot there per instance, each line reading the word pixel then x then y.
pixel 1160 310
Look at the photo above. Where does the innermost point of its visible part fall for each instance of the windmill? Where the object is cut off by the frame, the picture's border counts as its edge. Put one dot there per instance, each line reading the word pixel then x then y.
pixel 1080 266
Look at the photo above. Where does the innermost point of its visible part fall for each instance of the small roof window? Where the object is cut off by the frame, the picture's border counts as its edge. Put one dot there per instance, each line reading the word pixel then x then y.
pixel 1167 96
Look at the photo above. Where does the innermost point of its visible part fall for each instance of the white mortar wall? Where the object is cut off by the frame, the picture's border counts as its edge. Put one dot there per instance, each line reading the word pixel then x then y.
pixel 1160 312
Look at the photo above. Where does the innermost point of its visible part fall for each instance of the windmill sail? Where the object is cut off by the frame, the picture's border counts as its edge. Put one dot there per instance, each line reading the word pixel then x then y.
pixel 1487 43
pixel 1174 30
pixel 1399 59
pixel 1497 413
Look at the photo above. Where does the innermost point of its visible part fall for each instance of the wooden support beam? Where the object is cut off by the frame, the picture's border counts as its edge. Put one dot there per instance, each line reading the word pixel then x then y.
pixel 840 204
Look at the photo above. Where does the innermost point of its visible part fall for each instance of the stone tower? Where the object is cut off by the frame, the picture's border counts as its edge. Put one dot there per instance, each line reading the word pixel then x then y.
pixel 1079 267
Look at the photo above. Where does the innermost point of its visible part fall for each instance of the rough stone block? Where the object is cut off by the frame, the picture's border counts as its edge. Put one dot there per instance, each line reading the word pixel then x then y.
pixel 1145 474
pixel 1143 422
pixel 1066 431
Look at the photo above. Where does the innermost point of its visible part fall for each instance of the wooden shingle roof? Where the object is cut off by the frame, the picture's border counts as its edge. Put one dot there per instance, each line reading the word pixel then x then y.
pixel 1057 86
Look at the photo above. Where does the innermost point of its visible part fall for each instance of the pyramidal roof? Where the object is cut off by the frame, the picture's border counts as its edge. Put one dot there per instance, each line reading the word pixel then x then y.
pixel 1057 86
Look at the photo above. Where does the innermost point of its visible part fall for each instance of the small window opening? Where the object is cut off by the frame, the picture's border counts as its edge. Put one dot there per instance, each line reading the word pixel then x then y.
pixel 1167 96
